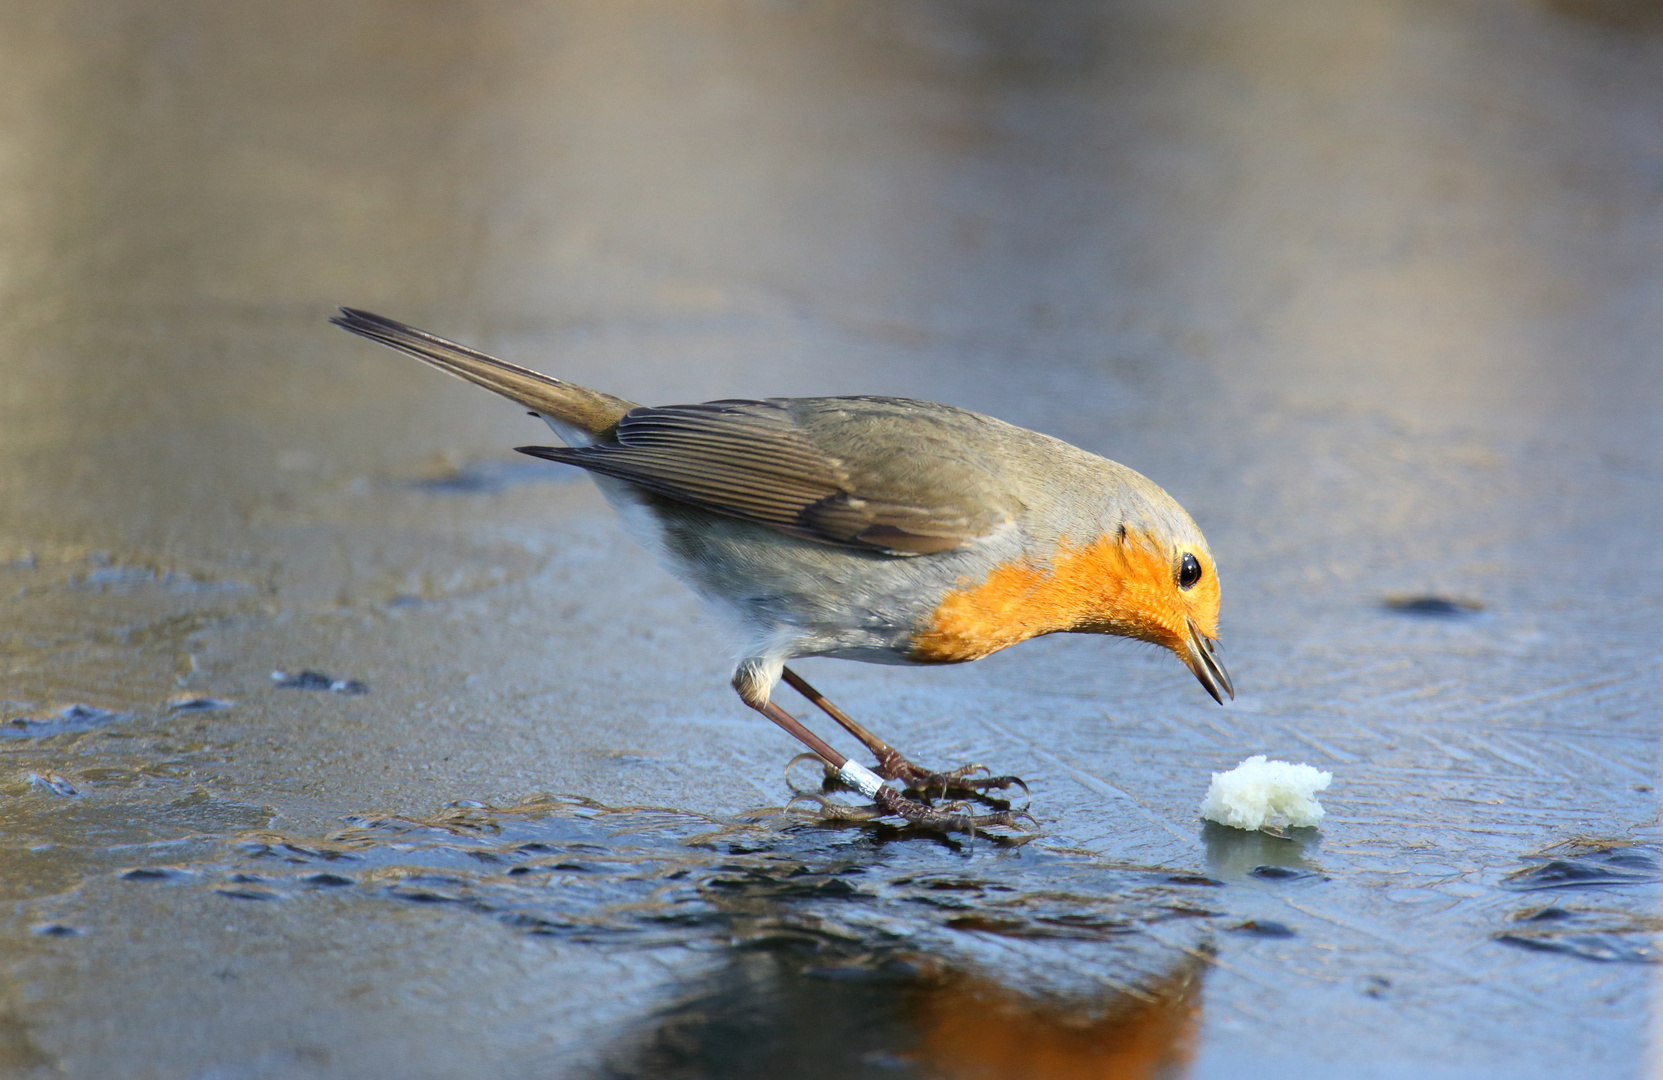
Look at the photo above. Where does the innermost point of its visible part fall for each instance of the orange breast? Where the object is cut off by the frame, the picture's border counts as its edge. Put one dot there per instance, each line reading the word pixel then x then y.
pixel 1112 585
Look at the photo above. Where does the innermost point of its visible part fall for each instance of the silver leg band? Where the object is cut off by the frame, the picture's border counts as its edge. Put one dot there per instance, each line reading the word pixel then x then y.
pixel 860 778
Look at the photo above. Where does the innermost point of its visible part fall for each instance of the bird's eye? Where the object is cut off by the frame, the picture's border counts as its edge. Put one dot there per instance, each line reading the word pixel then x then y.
pixel 1189 571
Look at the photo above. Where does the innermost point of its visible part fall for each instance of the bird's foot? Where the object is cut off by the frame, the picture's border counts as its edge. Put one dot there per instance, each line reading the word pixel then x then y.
pixel 965 780
pixel 974 781
pixel 951 817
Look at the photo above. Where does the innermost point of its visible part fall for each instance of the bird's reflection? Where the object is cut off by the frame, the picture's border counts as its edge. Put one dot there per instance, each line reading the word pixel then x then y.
pixel 831 952
pixel 779 1012
pixel 1033 1001
pixel 972 1027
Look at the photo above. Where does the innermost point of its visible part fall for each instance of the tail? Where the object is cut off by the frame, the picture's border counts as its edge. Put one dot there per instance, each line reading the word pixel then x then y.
pixel 560 403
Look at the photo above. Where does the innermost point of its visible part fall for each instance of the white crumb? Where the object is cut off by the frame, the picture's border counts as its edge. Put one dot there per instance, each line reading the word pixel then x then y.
pixel 1259 792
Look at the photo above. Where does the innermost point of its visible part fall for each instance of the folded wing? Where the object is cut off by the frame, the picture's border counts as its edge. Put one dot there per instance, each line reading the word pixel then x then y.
pixel 850 472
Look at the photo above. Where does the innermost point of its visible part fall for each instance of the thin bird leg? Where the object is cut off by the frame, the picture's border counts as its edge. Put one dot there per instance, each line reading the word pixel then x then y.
pixel 892 764
pixel 887 800
pixel 822 749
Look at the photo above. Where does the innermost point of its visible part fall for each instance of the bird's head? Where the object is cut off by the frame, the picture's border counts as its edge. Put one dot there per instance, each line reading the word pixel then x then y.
pixel 1156 581
pixel 1147 574
pixel 1165 594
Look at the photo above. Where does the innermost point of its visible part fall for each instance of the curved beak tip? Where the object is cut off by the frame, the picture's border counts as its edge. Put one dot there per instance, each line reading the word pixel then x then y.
pixel 1202 661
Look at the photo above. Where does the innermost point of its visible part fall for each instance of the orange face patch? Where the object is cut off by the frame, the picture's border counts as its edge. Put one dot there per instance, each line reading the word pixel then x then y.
pixel 1110 586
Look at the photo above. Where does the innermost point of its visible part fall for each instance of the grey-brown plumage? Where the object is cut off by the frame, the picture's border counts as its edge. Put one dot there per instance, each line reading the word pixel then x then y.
pixel 871 528
pixel 588 410
pixel 816 468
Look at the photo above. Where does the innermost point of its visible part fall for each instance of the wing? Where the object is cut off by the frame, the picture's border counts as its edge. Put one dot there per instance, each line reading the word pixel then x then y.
pixel 871 473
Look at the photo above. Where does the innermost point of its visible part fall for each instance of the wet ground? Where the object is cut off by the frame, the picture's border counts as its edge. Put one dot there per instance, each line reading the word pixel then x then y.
pixel 338 741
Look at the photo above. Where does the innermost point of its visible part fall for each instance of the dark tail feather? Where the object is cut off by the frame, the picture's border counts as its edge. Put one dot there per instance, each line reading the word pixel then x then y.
pixel 590 410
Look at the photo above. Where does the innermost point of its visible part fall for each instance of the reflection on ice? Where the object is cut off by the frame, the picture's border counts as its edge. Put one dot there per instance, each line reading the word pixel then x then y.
pixel 972 1027
pixel 784 1012
pixel 1236 854
pixel 979 961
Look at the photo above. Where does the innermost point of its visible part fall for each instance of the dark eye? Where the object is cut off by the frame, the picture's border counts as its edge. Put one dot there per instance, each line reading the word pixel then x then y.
pixel 1189 571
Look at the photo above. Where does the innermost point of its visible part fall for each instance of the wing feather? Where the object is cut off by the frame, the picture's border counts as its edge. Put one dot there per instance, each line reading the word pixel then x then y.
pixel 754 460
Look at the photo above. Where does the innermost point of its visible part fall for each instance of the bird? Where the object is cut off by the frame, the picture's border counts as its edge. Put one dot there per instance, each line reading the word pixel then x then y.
pixel 879 529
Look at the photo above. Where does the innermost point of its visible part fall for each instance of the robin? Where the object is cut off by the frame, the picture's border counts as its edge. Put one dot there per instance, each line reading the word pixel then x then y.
pixel 879 529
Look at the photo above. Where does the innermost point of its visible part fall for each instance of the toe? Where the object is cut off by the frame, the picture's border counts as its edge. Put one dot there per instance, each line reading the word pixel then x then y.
pixel 829 810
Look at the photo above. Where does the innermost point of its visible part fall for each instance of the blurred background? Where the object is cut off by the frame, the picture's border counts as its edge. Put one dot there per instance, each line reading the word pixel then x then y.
pixel 339 741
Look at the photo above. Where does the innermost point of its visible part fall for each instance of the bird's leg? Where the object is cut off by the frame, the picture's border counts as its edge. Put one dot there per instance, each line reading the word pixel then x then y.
pixel 892 765
pixel 886 800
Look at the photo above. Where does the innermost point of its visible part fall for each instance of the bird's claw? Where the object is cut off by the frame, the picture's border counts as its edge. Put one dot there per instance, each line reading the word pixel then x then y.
pixel 955 816
pixel 943 784
pixel 826 774
pixel 950 818
pixel 831 810
pixel 963 779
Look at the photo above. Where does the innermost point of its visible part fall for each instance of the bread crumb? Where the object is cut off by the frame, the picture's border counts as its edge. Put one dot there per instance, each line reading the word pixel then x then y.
pixel 1259 792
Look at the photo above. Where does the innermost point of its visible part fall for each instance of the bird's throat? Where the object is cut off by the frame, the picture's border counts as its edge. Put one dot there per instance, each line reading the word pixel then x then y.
pixel 1118 585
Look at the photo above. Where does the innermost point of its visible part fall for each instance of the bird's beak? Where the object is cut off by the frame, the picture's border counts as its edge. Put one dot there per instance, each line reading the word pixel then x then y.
pixel 1199 656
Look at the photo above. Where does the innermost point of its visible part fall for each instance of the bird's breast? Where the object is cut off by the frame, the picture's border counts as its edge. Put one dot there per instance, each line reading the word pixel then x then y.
pixel 1113 584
